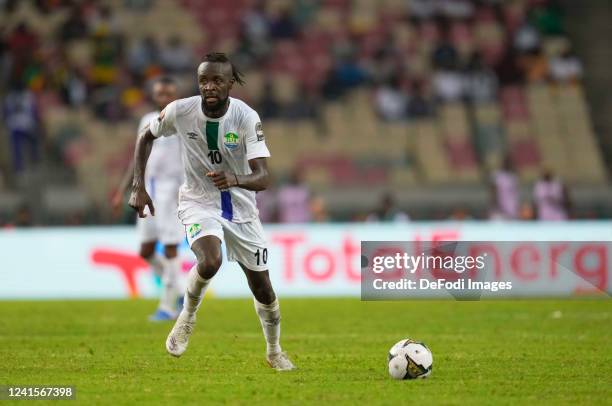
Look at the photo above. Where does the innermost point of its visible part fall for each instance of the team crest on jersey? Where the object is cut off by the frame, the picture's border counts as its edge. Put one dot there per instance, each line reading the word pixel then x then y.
pixel 230 140
pixel 194 230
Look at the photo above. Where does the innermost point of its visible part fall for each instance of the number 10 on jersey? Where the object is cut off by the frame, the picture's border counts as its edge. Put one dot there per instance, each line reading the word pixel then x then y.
pixel 215 157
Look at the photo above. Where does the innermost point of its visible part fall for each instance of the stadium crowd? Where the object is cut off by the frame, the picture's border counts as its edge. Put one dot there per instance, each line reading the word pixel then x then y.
pixel 414 56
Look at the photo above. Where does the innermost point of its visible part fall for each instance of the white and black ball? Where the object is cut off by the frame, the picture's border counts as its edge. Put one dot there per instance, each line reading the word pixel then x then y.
pixel 409 359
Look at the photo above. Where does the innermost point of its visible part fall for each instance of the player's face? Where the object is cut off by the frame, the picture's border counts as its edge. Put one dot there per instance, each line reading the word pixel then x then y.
pixel 163 93
pixel 214 81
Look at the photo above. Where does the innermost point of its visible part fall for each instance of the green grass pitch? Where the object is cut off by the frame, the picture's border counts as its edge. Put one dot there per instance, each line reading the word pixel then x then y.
pixel 495 352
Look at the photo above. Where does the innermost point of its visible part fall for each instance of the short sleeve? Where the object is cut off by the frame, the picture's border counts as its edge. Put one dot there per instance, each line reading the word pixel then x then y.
pixel 143 125
pixel 164 125
pixel 255 140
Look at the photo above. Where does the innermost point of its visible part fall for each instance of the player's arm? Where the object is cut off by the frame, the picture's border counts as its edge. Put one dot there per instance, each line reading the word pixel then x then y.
pixel 126 180
pixel 257 180
pixel 139 198
pixel 123 186
pixel 164 125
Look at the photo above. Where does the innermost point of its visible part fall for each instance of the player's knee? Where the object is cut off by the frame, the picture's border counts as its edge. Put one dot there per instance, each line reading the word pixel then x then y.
pixel 209 267
pixel 264 294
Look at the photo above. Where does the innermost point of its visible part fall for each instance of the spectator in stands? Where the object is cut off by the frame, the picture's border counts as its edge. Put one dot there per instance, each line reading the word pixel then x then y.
pixel 480 81
pixel 445 55
pixel 566 67
pixel 143 54
pixel 22 44
pixel 534 66
pixel 391 101
pixel 507 69
pixel 103 21
pixel 254 35
pixel 74 27
pixel 387 211
pixel 268 105
pixel 74 88
pixel 526 38
pixel 294 200
pixel 505 193
pixel 282 25
pixel 346 74
pixel 175 56
pixel 419 106
pixel 21 118
pixel 318 208
pixel 422 9
pixel 551 198
pixel 448 85
pixel 547 18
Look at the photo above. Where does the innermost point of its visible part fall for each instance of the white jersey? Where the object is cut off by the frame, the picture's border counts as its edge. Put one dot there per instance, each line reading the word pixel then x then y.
pixel 164 164
pixel 213 144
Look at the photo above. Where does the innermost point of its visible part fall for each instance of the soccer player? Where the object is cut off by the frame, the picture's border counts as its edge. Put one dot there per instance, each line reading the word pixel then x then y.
pixel 224 157
pixel 163 177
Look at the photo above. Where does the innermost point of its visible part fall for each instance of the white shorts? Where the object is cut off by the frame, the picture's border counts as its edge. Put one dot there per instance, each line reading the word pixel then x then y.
pixel 165 226
pixel 245 242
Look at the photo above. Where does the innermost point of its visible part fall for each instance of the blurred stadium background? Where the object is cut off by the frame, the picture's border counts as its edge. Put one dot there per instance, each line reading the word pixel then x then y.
pixel 422 99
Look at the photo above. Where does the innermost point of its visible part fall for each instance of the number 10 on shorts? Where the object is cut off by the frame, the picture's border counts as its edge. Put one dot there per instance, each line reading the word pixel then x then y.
pixel 261 256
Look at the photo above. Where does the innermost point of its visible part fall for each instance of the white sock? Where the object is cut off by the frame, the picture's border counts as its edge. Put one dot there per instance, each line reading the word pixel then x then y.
pixel 194 292
pixel 170 289
pixel 269 316
pixel 157 263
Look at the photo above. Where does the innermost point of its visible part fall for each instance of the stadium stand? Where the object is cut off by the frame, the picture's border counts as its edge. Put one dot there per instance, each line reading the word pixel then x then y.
pixel 390 94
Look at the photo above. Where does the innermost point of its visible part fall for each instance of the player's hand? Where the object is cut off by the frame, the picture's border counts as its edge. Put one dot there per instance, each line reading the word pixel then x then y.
pixel 223 180
pixel 139 199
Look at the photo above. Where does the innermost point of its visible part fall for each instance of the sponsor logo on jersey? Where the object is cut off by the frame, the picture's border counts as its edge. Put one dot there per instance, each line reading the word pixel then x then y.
pixel 192 135
pixel 259 131
pixel 194 230
pixel 230 140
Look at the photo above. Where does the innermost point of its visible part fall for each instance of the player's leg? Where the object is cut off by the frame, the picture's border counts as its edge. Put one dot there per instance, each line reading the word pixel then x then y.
pixel 147 233
pixel 155 260
pixel 246 245
pixel 268 311
pixel 170 292
pixel 208 254
pixel 205 241
pixel 171 233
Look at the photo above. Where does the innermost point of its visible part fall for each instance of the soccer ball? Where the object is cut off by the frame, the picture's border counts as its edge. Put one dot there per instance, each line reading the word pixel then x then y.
pixel 410 359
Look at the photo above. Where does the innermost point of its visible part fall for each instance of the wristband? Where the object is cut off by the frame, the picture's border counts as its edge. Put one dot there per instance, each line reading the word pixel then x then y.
pixel 236 177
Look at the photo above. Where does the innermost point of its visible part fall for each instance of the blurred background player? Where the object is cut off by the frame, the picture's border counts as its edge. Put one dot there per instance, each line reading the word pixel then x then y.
pixel 225 165
pixel 505 192
pixel 551 198
pixel 163 179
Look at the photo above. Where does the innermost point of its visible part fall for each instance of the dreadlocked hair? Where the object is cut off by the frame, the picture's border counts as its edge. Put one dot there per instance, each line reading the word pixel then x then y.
pixel 222 58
